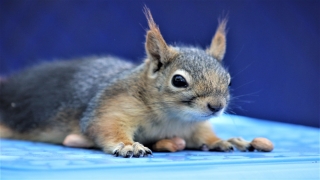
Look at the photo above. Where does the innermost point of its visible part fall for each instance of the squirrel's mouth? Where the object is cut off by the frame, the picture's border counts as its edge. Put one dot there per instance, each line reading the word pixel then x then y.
pixel 206 116
pixel 194 114
pixel 214 114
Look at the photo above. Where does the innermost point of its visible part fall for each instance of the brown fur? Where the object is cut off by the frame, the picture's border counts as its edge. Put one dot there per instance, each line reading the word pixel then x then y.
pixel 156 45
pixel 218 45
pixel 115 124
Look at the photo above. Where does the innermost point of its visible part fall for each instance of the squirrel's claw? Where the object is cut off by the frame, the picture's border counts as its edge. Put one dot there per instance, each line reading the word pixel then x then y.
pixel 128 151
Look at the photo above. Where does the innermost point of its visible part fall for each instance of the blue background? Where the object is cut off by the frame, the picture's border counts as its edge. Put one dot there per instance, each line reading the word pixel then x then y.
pixel 273 50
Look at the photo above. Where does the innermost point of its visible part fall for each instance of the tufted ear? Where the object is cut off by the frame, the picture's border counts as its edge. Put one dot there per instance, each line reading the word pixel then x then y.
pixel 217 48
pixel 157 50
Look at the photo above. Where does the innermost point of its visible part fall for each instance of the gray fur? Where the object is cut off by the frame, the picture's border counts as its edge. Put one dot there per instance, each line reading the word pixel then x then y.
pixel 40 92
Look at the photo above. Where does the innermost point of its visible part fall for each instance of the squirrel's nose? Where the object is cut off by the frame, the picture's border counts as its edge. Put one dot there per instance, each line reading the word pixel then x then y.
pixel 214 108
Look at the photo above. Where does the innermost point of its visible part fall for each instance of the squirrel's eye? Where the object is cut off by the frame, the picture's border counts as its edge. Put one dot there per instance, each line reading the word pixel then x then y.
pixel 179 81
pixel 230 83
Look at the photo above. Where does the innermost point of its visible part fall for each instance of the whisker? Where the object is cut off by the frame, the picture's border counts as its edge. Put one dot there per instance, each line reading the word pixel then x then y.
pixel 242 85
pixel 249 94
pixel 231 62
pixel 235 75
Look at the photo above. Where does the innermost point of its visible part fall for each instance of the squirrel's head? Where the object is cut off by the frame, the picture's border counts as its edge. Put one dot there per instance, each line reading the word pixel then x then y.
pixel 184 82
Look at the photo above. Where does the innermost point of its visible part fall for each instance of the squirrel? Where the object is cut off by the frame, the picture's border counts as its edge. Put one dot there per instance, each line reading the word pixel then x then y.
pixel 120 107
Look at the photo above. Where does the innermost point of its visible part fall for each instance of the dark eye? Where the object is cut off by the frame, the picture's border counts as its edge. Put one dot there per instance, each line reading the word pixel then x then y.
pixel 230 83
pixel 179 81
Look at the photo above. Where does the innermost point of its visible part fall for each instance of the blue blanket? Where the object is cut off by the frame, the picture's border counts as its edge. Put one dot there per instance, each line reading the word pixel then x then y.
pixel 295 156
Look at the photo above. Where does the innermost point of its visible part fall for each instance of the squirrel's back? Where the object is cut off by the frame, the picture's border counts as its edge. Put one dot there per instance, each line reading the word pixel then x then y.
pixel 32 98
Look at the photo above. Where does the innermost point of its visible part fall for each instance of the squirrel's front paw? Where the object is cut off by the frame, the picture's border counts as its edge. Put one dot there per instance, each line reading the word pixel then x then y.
pixel 227 146
pixel 241 144
pixel 221 145
pixel 134 150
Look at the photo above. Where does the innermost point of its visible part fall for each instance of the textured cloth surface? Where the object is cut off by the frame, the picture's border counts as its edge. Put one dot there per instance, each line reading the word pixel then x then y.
pixel 295 156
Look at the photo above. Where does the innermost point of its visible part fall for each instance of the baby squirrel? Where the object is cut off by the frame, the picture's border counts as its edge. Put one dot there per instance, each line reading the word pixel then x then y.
pixel 114 105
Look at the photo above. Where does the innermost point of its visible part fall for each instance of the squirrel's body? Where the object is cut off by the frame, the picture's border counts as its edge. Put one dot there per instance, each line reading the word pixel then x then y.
pixel 118 106
pixel 55 93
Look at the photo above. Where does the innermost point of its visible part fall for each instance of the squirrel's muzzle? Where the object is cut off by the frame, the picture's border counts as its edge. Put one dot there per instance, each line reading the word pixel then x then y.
pixel 214 108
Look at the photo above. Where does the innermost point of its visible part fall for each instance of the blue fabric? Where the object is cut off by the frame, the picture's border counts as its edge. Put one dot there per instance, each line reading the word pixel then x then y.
pixel 272 53
pixel 296 156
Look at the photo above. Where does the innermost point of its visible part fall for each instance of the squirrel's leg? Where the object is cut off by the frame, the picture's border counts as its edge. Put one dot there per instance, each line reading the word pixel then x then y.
pixel 6 132
pixel 172 145
pixel 115 136
pixel 77 140
pixel 205 139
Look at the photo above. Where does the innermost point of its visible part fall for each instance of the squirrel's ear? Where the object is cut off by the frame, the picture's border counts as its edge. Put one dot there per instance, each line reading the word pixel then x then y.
pixel 218 45
pixel 158 51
